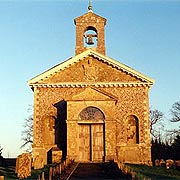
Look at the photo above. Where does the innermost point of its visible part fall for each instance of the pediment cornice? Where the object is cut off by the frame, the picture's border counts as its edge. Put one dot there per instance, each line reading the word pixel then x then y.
pixel 96 85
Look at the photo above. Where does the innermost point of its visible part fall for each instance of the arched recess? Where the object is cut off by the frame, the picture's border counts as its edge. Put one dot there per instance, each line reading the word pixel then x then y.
pixel 132 130
pixel 91 134
pixel 90 37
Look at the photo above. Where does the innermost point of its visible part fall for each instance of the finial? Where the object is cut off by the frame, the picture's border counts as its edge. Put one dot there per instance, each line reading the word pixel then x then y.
pixel 90 6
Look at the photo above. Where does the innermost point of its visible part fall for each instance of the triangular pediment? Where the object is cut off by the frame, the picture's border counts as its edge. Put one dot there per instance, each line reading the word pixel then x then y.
pixel 89 17
pixel 90 67
pixel 93 94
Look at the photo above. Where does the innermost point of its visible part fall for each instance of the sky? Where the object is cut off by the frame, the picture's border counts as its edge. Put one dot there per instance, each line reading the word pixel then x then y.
pixel 36 35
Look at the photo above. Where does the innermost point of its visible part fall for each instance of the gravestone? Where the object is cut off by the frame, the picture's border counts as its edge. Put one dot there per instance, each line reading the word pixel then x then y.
pixel 38 162
pixel 157 162
pixel 56 155
pixel 169 164
pixel 162 163
pixel 177 164
pixel 23 165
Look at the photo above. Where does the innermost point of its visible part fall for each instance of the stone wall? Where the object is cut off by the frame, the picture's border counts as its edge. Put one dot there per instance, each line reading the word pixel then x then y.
pixel 130 101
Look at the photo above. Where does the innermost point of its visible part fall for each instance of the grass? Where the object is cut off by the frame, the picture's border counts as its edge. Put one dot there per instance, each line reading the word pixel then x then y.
pixel 155 173
pixel 9 173
pixel 142 172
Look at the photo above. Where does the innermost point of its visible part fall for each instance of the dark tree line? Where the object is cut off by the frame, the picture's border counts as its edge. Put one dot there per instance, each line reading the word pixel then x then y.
pixel 167 146
pixel 164 150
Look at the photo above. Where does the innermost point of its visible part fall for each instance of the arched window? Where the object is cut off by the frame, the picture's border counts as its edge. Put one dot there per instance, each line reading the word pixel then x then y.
pixel 91 113
pixel 132 130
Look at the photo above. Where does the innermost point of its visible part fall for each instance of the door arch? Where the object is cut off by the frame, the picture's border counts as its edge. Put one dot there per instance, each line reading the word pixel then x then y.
pixel 91 113
pixel 91 134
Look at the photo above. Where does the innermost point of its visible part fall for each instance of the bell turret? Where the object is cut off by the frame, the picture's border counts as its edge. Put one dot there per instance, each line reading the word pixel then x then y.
pixel 90 32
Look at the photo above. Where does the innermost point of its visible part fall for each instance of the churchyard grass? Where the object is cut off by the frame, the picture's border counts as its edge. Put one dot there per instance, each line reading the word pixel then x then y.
pixel 9 173
pixel 154 173
pixel 142 172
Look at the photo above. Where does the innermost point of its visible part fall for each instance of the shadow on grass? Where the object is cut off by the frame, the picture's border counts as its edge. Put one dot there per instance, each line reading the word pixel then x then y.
pixel 155 172
pixel 8 172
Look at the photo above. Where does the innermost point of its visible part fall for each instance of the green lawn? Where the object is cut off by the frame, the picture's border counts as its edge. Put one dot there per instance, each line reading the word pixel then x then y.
pixel 155 173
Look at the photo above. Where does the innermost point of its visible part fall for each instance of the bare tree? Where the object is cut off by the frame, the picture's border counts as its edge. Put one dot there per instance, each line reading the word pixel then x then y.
pixel 1 157
pixel 175 111
pixel 1 151
pixel 156 117
pixel 27 133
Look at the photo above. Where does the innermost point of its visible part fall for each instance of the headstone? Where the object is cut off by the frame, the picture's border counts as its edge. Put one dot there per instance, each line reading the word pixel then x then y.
pixel 157 162
pixel 169 164
pixel 162 163
pixel 38 162
pixel 177 164
pixel 56 155
pixel 23 165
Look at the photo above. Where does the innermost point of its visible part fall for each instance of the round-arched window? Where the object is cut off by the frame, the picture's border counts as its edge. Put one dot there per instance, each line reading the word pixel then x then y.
pixel 91 113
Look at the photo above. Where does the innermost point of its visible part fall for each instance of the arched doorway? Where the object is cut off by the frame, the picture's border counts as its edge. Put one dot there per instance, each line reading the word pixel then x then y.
pixel 91 134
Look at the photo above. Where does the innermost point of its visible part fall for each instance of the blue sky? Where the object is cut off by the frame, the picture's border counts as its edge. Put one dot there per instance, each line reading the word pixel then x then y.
pixel 36 35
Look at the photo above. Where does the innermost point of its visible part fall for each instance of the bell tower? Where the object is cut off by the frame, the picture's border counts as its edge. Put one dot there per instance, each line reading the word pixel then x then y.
pixel 90 32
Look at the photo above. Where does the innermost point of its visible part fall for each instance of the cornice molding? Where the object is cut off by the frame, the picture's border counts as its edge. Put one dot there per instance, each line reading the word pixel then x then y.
pixel 89 84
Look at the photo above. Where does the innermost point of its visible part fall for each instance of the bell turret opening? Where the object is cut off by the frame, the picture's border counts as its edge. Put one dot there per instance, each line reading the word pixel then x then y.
pixel 90 37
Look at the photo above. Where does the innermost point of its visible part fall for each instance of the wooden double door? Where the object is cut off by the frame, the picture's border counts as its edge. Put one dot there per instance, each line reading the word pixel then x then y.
pixel 91 142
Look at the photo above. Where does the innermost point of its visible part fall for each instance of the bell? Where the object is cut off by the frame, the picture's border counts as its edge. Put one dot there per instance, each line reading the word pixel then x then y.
pixel 90 40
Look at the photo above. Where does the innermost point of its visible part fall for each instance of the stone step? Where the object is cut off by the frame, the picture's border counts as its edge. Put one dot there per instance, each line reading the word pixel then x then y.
pixel 97 171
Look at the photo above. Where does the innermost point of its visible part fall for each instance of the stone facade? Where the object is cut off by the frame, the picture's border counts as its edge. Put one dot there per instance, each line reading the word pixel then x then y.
pixel 91 107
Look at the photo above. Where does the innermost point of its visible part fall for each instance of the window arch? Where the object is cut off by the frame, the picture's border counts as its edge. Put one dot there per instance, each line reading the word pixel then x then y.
pixel 90 37
pixel 91 113
pixel 132 129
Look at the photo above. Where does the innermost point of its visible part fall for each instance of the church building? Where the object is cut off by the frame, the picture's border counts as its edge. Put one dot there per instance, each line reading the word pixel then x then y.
pixel 90 107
